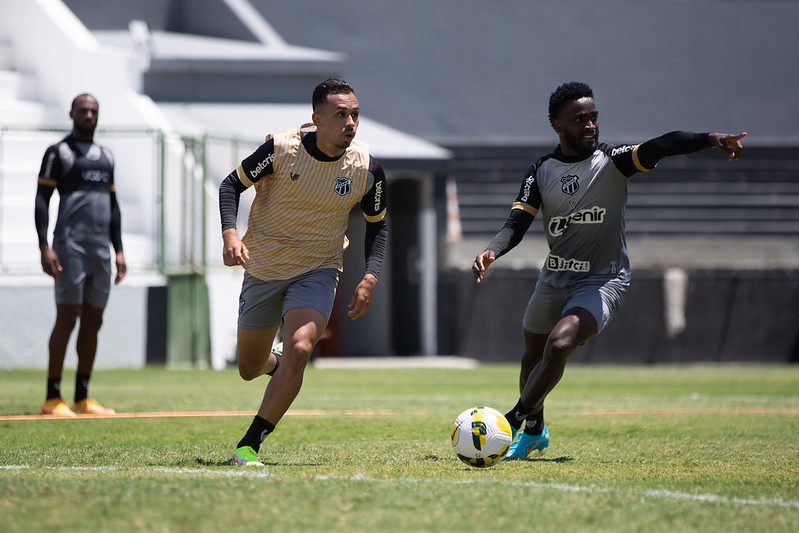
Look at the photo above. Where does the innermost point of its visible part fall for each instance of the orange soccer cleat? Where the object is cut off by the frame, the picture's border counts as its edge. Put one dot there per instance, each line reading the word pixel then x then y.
pixel 91 407
pixel 56 407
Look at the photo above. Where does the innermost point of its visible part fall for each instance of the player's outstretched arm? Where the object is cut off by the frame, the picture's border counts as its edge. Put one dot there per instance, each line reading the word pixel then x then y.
pixel 684 142
pixel 728 143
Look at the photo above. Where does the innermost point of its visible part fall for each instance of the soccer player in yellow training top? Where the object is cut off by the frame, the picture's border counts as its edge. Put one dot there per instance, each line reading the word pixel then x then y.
pixel 306 180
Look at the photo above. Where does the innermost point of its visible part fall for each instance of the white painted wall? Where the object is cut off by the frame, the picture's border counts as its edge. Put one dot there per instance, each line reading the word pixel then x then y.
pixel 27 315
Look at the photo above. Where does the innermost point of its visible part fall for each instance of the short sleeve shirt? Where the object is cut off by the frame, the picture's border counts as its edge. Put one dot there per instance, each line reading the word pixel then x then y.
pixel 299 216
pixel 582 203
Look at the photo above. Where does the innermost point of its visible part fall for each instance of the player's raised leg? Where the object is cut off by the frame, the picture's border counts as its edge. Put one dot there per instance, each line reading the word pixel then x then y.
pixel 254 356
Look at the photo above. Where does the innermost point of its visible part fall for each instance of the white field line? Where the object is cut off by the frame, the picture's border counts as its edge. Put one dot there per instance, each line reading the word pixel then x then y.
pixel 258 472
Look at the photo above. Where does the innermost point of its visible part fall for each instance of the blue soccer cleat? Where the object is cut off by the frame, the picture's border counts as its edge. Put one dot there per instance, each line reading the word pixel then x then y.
pixel 524 444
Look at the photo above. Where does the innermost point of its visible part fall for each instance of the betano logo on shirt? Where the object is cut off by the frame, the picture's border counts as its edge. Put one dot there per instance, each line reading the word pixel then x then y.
pixel 590 215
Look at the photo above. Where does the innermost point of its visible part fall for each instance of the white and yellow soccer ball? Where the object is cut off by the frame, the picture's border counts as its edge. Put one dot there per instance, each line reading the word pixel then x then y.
pixel 481 436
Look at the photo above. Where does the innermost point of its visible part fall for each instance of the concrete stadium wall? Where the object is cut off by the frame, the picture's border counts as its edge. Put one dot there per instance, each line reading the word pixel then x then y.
pixel 27 315
pixel 727 317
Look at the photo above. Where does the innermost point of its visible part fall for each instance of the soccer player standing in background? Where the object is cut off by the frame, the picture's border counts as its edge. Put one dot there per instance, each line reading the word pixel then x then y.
pixel 581 191
pixel 80 259
pixel 307 180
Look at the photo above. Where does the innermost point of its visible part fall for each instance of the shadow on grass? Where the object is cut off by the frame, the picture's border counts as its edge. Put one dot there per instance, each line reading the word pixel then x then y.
pixel 228 462
pixel 220 462
pixel 564 459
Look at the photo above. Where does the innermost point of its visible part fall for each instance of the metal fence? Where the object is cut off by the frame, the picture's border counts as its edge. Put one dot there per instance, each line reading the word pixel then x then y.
pixel 166 186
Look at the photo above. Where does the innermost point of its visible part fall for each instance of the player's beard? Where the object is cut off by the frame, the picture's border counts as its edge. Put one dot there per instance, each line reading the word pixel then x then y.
pixel 85 131
pixel 581 145
pixel 344 144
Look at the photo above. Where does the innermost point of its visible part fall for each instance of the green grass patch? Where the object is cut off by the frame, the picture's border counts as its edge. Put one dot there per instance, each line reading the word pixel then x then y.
pixel 704 448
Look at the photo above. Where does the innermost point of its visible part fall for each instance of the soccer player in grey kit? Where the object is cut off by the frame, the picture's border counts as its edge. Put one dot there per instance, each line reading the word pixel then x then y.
pixel 79 260
pixel 580 189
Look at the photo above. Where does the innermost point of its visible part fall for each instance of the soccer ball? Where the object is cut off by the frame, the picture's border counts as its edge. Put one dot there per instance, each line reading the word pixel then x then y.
pixel 481 436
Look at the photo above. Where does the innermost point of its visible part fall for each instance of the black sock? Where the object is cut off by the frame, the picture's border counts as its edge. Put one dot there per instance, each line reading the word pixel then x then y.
pixel 278 357
pixel 53 388
pixel 517 415
pixel 534 423
pixel 259 430
pixel 81 387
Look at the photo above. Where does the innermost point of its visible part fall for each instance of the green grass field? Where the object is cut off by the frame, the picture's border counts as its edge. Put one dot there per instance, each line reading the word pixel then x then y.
pixel 705 448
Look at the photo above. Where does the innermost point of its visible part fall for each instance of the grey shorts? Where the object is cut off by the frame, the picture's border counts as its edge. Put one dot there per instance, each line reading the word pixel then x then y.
pixel 262 304
pixel 86 273
pixel 600 297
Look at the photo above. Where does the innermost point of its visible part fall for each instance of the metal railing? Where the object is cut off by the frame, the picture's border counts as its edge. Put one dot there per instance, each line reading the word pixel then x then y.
pixel 166 186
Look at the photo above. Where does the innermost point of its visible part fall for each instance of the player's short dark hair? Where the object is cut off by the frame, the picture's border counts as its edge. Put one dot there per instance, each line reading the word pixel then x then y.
pixel 328 87
pixel 567 92
pixel 81 95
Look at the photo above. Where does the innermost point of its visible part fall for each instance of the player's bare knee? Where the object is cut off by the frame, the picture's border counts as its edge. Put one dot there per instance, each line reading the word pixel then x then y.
pixel 67 317
pixel 296 358
pixel 90 325
pixel 565 347
pixel 246 373
pixel 249 369
pixel 558 350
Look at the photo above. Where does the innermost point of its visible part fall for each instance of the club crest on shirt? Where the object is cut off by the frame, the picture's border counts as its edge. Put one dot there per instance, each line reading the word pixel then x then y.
pixel 343 186
pixel 569 184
